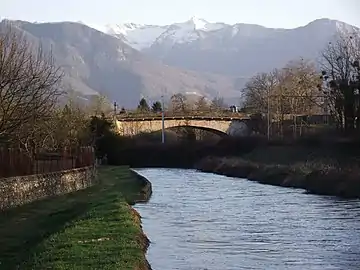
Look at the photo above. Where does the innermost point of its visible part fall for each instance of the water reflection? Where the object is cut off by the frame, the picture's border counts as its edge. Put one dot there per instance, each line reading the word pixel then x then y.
pixel 200 221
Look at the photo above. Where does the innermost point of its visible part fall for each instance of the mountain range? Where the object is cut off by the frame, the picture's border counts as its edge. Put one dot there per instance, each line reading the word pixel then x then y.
pixel 235 50
pixel 126 62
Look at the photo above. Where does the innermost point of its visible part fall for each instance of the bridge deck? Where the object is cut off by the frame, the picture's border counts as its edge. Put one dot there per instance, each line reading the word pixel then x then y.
pixel 208 118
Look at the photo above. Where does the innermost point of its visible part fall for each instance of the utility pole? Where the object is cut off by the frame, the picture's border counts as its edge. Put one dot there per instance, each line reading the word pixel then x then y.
pixel 268 116
pixel 162 120
pixel 115 108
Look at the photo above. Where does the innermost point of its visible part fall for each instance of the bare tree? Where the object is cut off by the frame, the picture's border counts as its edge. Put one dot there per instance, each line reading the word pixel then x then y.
pixel 296 92
pixel 74 130
pixel 290 91
pixel 302 78
pixel 29 83
pixel 340 69
pixel 99 104
pixel 202 105
pixel 67 127
pixel 218 104
pixel 259 89
pixel 179 103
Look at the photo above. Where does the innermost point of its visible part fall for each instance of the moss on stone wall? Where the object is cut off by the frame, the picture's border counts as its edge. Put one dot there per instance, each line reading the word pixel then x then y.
pixel 15 191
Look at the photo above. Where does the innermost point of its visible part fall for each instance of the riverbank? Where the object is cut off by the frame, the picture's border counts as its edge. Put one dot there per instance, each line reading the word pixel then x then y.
pixel 94 228
pixel 175 155
pixel 260 226
pixel 323 164
pixel 318 171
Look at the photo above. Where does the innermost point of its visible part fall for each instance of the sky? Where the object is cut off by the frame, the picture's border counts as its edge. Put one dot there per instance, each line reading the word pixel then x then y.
pixel 269 13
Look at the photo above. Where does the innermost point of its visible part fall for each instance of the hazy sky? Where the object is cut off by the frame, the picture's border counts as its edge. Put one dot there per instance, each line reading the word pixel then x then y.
pixel 270 13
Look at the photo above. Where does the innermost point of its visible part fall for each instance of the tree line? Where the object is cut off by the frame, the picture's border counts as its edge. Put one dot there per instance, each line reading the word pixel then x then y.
pixel 35 111
pixel 301 88
pixel 180 103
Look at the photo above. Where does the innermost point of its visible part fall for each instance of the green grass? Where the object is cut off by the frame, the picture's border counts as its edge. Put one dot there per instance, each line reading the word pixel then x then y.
pixel 89 229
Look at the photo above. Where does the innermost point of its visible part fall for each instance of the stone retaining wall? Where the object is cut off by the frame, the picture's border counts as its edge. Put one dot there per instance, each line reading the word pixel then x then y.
pixel 15 191
pixel 146 190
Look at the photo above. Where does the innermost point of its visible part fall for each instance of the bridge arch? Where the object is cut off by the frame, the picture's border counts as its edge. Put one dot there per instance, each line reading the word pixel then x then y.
pixel 220 133
pixel 221 126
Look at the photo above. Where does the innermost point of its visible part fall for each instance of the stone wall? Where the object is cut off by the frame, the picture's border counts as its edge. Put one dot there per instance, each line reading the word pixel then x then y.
pixel 230 127
pixel 15 191
pixel 146 190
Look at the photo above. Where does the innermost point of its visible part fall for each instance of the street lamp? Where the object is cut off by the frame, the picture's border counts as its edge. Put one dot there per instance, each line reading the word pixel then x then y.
pixel 162 120
pixel 268 115
pixel 115 108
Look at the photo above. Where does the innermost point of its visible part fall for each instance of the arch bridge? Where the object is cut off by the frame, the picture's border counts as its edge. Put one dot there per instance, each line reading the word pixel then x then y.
pixel 226 125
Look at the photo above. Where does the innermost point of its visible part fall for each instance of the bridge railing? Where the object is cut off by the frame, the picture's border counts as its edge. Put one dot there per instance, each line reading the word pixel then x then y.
pixel 129 115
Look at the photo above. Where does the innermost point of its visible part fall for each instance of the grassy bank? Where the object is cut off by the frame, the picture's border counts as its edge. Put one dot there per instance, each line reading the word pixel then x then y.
pixel 90 229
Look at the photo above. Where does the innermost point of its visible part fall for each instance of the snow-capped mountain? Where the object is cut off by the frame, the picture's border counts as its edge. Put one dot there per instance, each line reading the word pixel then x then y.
pixel 188 31
pixel 237 50
pixel 141 36
pixel 136 35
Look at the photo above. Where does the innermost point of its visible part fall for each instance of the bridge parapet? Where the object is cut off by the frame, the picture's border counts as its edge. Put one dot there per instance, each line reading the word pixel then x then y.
pixel 192 113
pixel 187 117
pixel 218 124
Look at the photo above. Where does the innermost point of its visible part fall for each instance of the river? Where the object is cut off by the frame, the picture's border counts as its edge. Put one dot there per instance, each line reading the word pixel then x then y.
pixel 198 221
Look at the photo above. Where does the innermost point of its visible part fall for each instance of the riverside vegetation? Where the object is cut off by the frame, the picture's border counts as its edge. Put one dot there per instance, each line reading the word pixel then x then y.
pixel 94 228
pixel 320 166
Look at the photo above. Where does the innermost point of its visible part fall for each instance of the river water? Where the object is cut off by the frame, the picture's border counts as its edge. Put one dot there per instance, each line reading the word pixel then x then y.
pixel 198 221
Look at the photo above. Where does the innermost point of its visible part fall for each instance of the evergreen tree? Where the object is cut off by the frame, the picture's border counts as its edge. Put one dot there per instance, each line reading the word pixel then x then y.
pixel 143 105
pixel 156 107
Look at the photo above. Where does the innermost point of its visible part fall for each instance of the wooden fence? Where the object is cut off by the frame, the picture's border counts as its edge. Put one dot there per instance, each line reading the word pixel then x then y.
pixel 16 162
